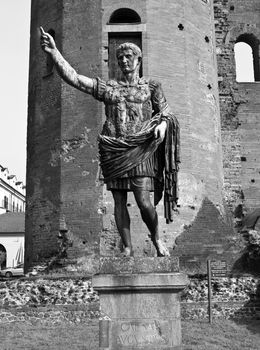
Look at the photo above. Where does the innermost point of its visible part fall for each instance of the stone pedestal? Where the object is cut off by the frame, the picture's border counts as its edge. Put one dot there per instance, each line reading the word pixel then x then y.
pixel 140 310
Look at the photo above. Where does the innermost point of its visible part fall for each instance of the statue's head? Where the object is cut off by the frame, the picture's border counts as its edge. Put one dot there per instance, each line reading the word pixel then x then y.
pixel 129 57
pixel 129 46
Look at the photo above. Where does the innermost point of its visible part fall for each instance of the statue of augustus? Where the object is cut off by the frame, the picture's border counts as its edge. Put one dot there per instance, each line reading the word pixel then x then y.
pixel 139 143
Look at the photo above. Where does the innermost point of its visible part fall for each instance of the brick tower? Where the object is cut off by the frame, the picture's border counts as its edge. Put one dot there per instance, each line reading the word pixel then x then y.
pixel 63 189
pixel 239 22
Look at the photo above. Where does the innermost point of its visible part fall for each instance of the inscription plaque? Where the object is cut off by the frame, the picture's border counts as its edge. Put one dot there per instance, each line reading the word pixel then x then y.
pixel 143 334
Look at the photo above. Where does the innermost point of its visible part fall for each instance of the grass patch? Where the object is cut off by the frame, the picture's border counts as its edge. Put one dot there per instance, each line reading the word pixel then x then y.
pixel 221 334
pixel 61 336
pixel 197 335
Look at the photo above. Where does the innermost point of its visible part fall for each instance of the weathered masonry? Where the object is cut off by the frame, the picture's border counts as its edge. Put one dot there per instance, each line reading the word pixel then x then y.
pixel 69 211
pixel 239 21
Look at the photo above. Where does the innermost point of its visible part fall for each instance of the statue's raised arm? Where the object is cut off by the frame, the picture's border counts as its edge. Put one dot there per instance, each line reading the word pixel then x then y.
pixel 64 69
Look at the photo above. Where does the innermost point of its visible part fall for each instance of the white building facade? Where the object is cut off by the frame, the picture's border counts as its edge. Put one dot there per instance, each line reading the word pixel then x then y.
pixel 11 239
pixel 13 246
pixel 12 193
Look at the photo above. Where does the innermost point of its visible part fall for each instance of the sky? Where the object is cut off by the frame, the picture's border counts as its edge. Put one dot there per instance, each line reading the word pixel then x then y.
pixel 14 62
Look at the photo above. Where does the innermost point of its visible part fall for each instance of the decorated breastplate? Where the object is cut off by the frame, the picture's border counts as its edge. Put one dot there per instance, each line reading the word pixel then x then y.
pixel 127 107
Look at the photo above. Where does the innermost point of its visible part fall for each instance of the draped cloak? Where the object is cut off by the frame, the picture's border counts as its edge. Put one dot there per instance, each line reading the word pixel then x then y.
pixel 129 146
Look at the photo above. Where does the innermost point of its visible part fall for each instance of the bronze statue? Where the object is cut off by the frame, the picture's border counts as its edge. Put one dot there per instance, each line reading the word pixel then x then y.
pixel 139 143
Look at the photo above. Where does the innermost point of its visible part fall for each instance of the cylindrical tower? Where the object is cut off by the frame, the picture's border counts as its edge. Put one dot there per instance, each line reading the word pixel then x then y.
pixel 63 201
pixel 177 39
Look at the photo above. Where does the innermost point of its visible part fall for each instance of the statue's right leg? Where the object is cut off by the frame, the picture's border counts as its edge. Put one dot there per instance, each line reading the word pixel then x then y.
pixel 122 219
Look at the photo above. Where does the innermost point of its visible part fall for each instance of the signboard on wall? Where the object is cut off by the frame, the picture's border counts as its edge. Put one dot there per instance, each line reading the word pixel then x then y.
pixel 218 268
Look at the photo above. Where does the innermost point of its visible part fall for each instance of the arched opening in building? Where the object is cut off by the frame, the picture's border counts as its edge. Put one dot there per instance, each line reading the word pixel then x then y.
pixel 2 257
pixel 247 58
pixel 244 62
pixel 124 15
pixel 6 202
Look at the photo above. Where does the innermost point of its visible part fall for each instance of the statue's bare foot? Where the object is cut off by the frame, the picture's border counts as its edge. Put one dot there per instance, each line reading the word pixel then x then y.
pixel 128 252
pixel 161 248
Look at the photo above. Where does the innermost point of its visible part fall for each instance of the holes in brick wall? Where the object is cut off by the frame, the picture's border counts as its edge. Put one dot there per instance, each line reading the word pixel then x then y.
pixel 238 212
pixel 180 26
pixel 232 8
pixel 243 159
pixel 252 180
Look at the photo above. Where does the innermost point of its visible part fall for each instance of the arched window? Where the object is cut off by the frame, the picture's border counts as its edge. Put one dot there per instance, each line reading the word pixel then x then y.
pixel 244 62
pixel 247 58
pixel 5 202
pixel 126 18
pixel 2 257
pixel 124 15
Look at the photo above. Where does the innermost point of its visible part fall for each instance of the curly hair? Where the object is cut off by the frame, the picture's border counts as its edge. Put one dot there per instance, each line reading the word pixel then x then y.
pixel 126 46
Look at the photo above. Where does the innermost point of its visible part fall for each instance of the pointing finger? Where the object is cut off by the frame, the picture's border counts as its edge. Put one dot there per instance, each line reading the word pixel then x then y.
pixel 42 31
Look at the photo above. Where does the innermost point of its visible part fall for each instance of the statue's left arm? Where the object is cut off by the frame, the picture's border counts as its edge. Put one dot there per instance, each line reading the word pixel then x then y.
pixel 160 105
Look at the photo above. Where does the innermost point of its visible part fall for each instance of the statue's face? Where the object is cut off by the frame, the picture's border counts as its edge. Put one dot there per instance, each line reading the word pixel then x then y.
pixel 128 61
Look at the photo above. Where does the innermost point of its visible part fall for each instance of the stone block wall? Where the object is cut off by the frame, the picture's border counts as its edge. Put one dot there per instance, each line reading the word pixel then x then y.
pixel 235 297
pixel 72 300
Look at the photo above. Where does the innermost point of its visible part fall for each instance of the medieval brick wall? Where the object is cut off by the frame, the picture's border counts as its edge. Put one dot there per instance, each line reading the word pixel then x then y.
pixel 239 104
pixel 62 131
pixel 44 105
pixel 179 52
pixel 63 191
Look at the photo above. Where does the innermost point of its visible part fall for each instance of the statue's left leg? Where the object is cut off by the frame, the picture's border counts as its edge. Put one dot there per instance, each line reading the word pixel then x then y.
pixel 150 218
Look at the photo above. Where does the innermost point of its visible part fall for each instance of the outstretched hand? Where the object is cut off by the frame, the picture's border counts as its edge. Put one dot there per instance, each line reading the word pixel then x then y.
pixel 47 41
pixel 159 131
